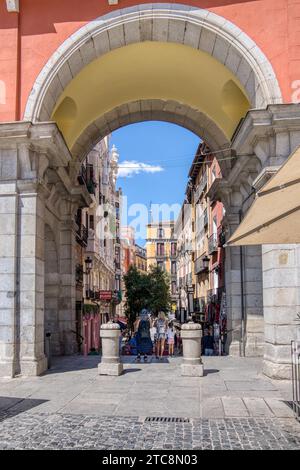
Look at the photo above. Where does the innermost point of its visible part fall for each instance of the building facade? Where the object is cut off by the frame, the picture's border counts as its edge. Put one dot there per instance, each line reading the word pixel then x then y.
pixel 140 258
pixel 97 246
pixel 161 249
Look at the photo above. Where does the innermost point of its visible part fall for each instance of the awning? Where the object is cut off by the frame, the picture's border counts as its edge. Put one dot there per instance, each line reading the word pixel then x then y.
pixel 274 217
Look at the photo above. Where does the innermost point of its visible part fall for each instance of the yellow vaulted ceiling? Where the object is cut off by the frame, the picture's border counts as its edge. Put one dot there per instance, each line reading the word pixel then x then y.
pixel 151 70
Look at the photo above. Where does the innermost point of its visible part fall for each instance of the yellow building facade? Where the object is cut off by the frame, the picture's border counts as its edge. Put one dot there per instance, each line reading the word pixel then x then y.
pixel 161 248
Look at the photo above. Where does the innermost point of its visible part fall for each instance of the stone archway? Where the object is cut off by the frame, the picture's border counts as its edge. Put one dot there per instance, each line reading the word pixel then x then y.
pixel 43 161
pixel 192 27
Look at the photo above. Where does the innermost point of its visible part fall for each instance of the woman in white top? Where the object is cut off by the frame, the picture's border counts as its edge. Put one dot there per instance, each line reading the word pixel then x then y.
pixel 171 338
pixel 153 335
pixel 161 326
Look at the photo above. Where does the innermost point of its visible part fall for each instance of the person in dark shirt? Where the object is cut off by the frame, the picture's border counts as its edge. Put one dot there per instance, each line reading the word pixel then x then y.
pixel 122 329
pixel 208 344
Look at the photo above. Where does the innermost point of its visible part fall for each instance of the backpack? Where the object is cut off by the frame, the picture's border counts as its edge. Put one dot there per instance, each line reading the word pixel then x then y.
pixel 144 329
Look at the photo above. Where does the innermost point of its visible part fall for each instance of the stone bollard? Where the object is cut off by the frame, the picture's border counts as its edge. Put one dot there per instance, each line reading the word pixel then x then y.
pixel 192 365
pixel 110 362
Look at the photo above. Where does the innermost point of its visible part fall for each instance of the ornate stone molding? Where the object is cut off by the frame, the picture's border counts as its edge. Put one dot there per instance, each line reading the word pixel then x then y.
pixel 27 150
pixel 270 134
pixel 194 27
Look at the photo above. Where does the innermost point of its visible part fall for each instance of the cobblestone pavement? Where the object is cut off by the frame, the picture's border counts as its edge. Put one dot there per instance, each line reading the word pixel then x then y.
pixel 234 406
pixel 64 431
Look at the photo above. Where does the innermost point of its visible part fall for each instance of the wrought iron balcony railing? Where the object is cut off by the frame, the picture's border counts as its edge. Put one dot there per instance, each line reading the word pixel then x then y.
pixel 200 266
pixel 213 243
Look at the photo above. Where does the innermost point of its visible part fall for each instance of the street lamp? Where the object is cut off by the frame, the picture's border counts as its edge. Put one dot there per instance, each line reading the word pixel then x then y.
pixel 88 267
pixel 88 264
pixel 205 262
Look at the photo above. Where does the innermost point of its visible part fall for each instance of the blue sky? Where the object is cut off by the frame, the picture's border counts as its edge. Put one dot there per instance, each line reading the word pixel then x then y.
pixel 155 158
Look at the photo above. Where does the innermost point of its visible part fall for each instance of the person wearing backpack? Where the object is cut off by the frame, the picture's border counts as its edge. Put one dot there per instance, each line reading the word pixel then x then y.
pixel 143 338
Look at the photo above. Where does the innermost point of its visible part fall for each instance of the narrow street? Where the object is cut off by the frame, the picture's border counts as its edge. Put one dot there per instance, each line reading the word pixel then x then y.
pixel 232 407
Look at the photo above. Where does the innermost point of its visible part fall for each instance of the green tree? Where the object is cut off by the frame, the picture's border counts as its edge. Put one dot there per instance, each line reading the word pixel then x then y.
pixel 137 287
pixel 160 296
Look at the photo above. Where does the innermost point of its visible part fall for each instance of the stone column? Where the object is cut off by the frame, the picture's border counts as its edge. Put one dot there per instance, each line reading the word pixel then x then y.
pixel 22 208
pixel 253 289
pixel 110 361
pixel 281 280
pixel 233 286
pixel 67 299
pixel 26 150
pixel 191 334
pixel 9 331
pixel 31 257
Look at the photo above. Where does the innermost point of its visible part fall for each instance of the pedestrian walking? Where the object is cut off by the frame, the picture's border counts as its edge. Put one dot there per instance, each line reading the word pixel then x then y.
pixel 122 330
pixel 153 335
pixel 208 343
pixel 171 338
pixel 161 325
pixel 143 338
pixel 178 341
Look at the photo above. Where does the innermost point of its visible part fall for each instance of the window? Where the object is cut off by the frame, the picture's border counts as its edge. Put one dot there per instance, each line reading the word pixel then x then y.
pixel 161 265
pixel 173 249
pixel 173 267
pixel 160 232
pixel 173 288
pixel 160 249
pixel 92 222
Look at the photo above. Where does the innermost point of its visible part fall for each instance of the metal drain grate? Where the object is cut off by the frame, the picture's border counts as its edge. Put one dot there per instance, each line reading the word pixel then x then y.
pixel 166 419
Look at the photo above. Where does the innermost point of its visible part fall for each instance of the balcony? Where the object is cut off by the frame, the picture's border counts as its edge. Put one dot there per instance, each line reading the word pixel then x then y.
pixel 221 237
pixel 91 186
pixel 201 187
pixel 189 279
pixel 82 235
pixel 205 218
pixel 93 245
pixel 213 243
pixel 82 177
pixel 85 178
pixel 201 266
pixel 90 294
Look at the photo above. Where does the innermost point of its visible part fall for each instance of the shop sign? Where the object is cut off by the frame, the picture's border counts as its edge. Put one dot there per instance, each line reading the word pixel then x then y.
pixel 105 295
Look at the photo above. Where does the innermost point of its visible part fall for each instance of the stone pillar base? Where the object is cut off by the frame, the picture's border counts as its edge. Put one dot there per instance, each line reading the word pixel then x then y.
pixel 190 370
pixel 34 367
pixel 277 371
pixel 7 369
pixel 235 349
pixel 110 369
pixel 254 345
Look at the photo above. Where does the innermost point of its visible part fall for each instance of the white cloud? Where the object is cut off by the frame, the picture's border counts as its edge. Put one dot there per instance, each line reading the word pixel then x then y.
pixel 128 169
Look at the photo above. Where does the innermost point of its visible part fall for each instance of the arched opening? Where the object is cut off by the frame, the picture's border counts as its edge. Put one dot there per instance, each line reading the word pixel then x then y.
pixel 184 66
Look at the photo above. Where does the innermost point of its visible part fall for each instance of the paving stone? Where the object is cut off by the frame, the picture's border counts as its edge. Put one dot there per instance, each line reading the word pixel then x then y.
pixel 78 431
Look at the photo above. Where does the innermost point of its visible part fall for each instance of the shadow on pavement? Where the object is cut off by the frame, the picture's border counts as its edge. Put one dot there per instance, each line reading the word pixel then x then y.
pixel 12 406
pixel 127 371
pixel 210 371
pixel 72 363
